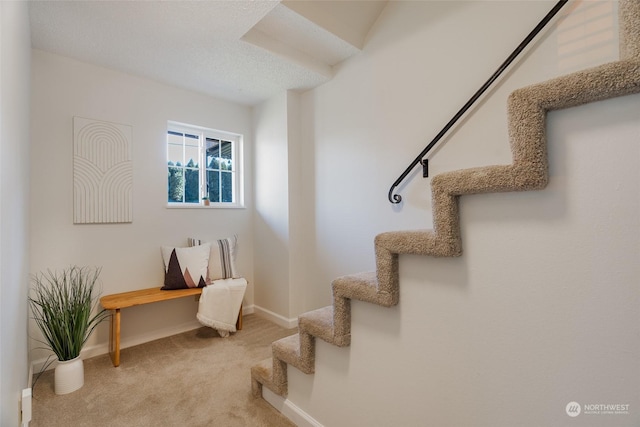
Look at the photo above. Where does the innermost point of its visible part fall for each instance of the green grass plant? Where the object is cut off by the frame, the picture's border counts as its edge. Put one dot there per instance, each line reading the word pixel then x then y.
pixel 62 304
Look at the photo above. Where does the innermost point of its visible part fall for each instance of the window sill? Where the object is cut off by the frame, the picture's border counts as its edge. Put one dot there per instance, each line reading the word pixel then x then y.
pixel 212 206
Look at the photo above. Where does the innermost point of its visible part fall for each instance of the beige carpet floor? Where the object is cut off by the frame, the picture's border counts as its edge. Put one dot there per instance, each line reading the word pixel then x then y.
pixel 192 379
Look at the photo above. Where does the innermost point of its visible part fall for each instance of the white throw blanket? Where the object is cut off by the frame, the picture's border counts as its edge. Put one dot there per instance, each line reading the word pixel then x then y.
pixel 220 303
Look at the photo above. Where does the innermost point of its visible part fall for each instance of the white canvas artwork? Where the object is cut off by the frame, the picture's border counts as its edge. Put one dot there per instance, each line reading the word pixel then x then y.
pixel 102 172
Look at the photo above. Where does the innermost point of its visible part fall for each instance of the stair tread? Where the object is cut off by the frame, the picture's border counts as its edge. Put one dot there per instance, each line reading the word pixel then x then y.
pixel 367 278
pixel 263 369
pixel 320 316
pixel 320 323
pixel 290 344
pixel 292 351
pixel 262 374
pixel 365 287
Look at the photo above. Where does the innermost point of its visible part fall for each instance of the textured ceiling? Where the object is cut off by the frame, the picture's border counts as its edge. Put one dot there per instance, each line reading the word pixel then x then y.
pixel 243 51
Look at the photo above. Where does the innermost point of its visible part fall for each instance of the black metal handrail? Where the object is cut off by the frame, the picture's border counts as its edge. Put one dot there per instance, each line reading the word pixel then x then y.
pixel 396 198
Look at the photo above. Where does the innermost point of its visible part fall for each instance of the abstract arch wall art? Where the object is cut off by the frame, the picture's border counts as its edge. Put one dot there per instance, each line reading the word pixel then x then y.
pixel 102 172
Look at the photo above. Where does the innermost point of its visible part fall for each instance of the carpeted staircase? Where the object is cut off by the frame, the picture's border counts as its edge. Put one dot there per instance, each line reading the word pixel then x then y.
pixel 527 110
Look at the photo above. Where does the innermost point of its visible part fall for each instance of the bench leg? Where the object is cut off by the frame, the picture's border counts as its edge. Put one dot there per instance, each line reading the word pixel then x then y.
pixel 239 321
pixel 114 337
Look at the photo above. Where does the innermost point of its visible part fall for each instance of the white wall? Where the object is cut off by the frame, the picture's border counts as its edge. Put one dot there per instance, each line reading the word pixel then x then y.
pixel 128 253
pixel 422 62
pixel 300 212
pixel 279 250
pixel 15 58
pixel 271 217
pixel 541 309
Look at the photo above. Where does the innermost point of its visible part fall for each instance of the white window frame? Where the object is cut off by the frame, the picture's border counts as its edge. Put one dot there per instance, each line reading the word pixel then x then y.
pixel 236 168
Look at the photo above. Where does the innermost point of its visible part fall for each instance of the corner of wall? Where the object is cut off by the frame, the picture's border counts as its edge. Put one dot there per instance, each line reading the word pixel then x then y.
pixel 15 65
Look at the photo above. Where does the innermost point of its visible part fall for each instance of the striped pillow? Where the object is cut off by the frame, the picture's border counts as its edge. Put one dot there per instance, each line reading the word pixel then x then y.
pixel 222 259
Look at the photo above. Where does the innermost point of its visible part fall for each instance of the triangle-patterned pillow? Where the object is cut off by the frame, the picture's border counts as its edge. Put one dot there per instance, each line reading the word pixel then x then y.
pixel 185 267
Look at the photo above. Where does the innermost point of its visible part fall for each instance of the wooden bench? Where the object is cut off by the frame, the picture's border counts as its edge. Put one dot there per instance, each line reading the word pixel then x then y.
pixel 116 302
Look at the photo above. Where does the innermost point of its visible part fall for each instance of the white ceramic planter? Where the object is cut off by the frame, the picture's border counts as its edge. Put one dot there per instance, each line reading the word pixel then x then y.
pixel 69 375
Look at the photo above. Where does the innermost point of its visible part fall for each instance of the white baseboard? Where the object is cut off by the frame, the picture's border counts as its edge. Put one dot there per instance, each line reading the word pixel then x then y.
pixel 30 379
pixel 289 409
pixel 275 317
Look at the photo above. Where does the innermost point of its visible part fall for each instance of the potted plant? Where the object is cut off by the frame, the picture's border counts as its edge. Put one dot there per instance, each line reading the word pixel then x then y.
pixel 65 308
pixel 206 200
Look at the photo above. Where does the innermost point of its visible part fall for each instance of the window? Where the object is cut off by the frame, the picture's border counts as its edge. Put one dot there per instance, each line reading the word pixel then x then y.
pixel 202 163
